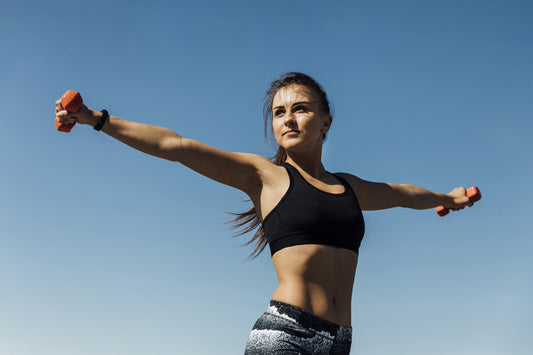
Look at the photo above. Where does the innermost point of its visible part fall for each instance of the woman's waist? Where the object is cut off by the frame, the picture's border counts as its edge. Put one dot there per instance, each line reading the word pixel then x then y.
pixel 332 304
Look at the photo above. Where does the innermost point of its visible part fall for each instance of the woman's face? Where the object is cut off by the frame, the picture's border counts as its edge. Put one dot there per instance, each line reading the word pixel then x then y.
pixel 298 120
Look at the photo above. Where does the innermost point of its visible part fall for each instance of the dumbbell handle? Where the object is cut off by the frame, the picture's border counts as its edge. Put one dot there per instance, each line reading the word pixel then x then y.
pixel 472 193
pixel 70 101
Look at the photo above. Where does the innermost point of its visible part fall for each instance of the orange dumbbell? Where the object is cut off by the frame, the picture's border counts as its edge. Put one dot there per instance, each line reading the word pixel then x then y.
pixel 70 101
pixel 472 193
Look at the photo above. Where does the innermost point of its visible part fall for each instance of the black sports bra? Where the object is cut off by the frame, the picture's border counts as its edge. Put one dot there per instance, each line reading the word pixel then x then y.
pixel 308 215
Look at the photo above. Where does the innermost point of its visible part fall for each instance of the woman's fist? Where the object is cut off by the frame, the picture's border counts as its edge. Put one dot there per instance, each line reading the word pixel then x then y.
pixel 83 116
pixel 459 199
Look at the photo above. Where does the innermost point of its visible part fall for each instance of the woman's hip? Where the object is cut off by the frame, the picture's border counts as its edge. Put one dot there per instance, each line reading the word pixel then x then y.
pixel 286 329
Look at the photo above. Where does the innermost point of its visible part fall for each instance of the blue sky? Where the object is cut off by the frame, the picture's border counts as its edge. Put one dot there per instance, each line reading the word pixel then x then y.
pixel 104 250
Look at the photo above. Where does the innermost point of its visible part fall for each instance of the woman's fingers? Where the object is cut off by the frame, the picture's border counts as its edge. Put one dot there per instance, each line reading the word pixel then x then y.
pixel 64 117
pixel 59 107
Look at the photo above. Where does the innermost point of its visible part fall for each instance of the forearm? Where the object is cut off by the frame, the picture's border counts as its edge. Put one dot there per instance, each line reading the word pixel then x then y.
pixel 148 139
pixel 419 198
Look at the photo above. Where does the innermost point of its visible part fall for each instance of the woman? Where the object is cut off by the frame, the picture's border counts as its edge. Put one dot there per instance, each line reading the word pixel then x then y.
pixel 311 218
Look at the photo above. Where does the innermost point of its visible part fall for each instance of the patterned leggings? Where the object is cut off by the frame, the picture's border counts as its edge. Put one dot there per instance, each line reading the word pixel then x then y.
pixel 286 329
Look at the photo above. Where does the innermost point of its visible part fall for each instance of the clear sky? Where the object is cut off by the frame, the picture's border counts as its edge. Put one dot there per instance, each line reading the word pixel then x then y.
pixel 104 250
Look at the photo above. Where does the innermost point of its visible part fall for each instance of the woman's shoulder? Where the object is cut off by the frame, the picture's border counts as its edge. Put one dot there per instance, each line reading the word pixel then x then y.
pixel 352 179
pixel 268 171
pixel 362 188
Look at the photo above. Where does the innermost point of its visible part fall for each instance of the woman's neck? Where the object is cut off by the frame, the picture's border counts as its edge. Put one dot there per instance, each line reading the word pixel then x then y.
pixel 312 166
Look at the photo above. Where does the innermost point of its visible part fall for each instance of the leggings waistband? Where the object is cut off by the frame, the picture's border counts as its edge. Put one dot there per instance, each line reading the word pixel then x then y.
pixel 302 317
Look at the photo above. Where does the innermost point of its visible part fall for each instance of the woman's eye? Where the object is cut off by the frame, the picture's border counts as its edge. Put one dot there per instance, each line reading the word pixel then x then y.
pixel 299 109
pixel 278 113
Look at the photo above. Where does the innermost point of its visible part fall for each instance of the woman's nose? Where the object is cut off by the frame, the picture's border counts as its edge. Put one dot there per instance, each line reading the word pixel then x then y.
pixel 289 118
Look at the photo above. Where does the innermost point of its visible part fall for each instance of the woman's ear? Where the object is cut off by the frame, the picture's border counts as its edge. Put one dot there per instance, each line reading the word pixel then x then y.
pixel 327 124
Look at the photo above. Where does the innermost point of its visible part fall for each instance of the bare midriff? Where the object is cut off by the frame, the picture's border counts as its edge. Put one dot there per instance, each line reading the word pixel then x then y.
pixel 318 279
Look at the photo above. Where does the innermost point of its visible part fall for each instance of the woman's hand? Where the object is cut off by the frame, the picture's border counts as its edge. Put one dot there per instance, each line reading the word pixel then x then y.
pixel 83 116
pixel 459 199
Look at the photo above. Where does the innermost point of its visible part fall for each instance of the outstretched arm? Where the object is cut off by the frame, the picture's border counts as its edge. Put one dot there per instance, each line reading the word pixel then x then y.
pixel 239 170
pixel 377 196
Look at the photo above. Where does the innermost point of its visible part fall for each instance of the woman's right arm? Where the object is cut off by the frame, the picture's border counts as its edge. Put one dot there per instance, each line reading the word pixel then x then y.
pixel 239 170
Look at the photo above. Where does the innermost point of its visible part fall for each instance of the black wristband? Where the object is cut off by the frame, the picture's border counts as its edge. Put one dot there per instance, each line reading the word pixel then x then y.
pixel 101 122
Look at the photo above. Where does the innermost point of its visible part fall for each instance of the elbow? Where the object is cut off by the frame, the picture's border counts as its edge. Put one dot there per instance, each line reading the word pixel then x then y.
pixel 173 148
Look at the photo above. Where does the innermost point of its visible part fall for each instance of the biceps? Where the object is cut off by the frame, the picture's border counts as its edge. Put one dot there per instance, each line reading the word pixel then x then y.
pixel 378 196
pixel 239 170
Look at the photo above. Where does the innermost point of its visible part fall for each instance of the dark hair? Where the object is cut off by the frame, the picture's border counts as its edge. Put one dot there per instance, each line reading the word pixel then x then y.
pixel 248 221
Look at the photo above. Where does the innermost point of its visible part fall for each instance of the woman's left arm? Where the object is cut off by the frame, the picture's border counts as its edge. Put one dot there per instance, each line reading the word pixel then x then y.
pixel 378 196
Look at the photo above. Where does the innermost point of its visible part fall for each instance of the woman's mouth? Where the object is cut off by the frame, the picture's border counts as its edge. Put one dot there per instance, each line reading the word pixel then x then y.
pixel 291 132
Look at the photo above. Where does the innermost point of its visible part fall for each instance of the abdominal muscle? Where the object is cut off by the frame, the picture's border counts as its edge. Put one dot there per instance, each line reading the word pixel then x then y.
pixel 318 279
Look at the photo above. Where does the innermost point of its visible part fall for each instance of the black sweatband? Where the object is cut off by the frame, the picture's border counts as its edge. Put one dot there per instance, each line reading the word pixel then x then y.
pixel 102 120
